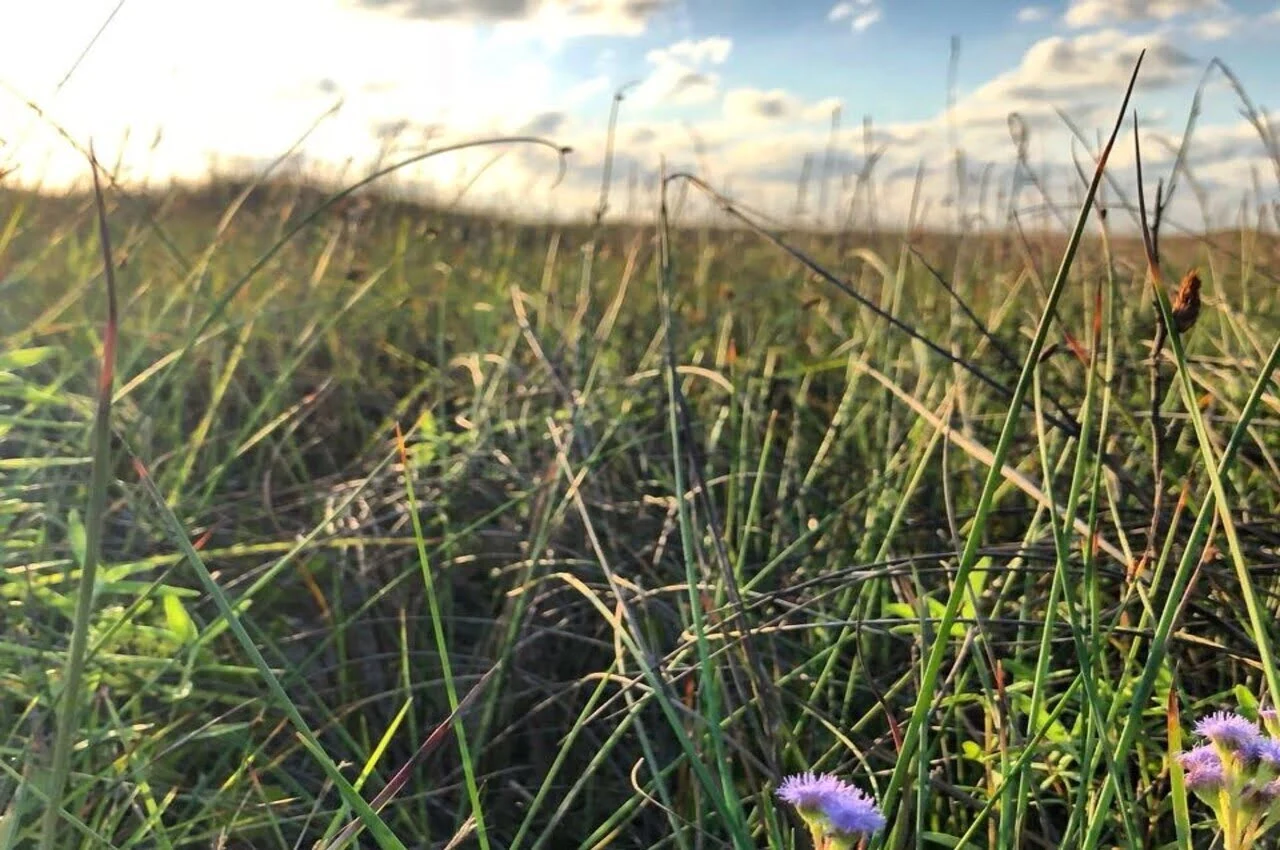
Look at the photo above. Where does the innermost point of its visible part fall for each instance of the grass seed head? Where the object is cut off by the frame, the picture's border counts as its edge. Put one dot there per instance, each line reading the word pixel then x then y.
pixel 1186 302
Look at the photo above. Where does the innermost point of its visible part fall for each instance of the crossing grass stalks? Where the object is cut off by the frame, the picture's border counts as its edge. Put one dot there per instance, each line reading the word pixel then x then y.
pixel 453 529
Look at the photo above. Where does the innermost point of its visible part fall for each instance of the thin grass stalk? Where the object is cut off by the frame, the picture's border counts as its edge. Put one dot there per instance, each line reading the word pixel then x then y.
pixel 929 679
pixel 68 700
pixel 1086 661
pixel 724 796
pixel 442 646
pixel 1087 654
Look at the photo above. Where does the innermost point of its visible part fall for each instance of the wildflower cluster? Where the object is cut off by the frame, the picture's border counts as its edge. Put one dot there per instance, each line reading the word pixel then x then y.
pixel 1237 774
pixel 837 813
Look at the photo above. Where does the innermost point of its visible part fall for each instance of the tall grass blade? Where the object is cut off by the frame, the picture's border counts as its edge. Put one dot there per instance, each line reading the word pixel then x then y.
pixel 69 697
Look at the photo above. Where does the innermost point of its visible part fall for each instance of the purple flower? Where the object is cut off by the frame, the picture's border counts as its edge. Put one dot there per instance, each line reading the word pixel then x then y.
pixel 828 802
pixel 1203 767
pixel 1227 729
pixel 808 791
pixel 1199 758
pixel 1207 778
pixel 1236 773
pixel 854 813
pixel 1261 751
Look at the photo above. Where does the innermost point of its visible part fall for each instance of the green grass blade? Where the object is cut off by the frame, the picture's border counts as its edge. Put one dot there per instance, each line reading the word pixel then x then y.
pixel 68 699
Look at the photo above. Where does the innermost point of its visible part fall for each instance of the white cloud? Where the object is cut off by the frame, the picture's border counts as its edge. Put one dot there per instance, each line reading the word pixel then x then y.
pixel 866 19
pixel 586 90
pixel 245 91
pixel 840 11
pixel 577 17
pixel 407 80
pixel 756 144
pixel 861 14
pixel 681 74
pixel 756 105
pixel 822 109
pixel 1032 14
pixel 1089 13
pixel 752 106
pixel 1075 73
pixel 714 51
pixel 1215 29
pixel 762 163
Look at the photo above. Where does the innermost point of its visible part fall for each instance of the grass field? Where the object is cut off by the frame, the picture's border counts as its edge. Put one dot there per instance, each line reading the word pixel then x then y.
pixel 553 537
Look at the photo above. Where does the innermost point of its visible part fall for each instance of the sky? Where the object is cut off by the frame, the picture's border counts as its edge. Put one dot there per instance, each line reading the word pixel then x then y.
pixel 814 111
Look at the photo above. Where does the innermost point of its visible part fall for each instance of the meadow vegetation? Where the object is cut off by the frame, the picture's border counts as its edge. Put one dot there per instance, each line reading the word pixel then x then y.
pixel 583 536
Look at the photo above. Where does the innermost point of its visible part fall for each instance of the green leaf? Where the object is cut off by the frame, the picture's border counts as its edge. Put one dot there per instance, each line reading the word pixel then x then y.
pixel 178 620
pixel 24 357
pixel 1245 699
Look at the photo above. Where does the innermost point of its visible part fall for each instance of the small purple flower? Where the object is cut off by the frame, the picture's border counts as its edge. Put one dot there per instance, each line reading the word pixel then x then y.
pixel 1203 767
pixel 854 813
pixel 1227 729
pixel 1261 751
pixel 1207 778
pixel 809 791
pixel 1201 757
pixel 1237 773
pixel 831 806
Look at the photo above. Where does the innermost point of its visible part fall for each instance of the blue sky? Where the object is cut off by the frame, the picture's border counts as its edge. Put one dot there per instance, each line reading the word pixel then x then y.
pixel 741 90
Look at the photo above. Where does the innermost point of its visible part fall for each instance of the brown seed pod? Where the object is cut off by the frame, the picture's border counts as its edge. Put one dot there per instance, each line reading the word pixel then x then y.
pixel 1186 303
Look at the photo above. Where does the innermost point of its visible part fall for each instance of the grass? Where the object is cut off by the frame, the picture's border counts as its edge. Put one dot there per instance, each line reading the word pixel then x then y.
pixel 458 531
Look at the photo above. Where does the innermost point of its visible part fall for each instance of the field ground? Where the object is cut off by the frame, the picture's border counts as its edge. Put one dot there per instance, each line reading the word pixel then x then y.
pixel 662 592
